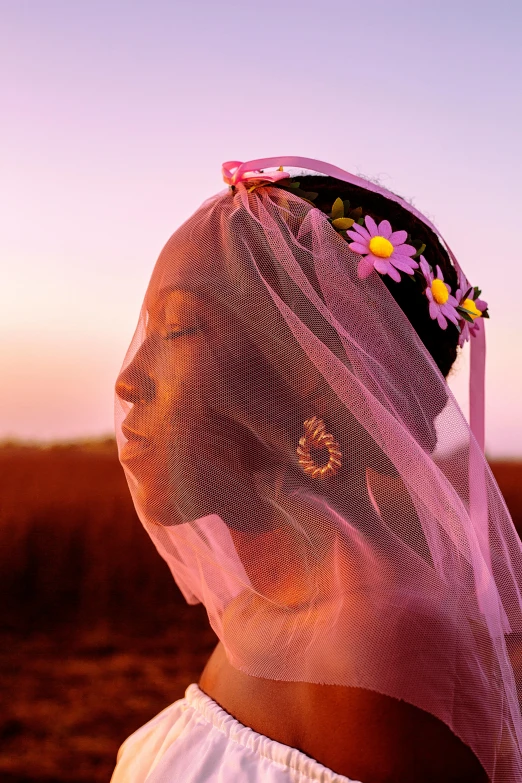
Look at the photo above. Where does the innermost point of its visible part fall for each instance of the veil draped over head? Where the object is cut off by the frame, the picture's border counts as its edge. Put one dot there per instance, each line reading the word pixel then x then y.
pixel 397 568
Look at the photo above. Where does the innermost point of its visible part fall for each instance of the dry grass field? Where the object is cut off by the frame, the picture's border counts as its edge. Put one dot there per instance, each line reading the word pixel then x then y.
pixel 95 637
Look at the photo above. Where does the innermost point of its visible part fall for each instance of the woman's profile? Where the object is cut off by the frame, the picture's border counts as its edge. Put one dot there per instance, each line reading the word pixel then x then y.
pixel 294 451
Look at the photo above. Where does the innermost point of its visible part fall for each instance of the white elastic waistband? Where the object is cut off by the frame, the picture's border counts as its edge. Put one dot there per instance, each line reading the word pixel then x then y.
pixel 263 746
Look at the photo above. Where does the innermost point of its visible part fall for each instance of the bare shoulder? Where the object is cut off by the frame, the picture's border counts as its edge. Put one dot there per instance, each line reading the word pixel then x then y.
pixel 355 732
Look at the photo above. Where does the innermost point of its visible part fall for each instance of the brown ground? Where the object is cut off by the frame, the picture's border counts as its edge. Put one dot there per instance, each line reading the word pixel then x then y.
pixel 94 637
pixel 68 706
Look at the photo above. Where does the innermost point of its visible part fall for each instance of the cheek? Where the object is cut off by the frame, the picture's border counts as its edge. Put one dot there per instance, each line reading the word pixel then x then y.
pixel 187 381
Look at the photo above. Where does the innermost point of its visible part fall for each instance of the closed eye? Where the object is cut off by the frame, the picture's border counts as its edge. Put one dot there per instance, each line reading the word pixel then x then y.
pixel 181 332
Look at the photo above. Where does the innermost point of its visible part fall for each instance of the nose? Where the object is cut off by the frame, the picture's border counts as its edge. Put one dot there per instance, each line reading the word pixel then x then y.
pixel 134 385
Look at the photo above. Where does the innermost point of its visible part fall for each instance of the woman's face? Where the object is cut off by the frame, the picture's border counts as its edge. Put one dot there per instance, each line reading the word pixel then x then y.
pixel 170 383
pixel 189 446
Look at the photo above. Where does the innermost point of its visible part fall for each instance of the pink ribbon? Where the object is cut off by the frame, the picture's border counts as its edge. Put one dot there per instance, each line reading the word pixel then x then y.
pixel 477 373
pixel 477 378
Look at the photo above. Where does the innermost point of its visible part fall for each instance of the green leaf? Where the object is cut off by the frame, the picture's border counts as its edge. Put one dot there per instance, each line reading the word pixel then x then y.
pixel 468 293
pixel 299 192
pixel 465 314
pixel 311 196
pixel 286 184
pixel 346 205
pixel 361 221
pixel 420 251
pixel 356 213
pixel 337 209
pixel 477 292
pixel 343 223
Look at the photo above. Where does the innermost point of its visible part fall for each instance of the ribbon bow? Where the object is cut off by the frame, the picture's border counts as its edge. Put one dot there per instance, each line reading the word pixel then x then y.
pixel 233 173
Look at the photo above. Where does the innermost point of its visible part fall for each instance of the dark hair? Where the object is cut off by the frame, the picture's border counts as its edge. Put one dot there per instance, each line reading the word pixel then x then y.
pixel 409 294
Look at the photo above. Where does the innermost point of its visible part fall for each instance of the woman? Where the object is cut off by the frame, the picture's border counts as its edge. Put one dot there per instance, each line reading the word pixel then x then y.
pixel 295 453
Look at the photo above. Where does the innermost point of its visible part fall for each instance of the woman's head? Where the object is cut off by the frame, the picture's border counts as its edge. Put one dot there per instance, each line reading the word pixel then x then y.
pixel 253 315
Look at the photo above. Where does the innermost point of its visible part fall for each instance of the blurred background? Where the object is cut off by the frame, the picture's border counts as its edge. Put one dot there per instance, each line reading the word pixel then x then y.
pixel 116 117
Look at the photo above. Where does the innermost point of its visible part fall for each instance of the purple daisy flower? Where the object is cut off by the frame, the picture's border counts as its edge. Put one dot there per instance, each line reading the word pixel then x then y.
pixel 442 304
pixel 475 308
pixel 382 249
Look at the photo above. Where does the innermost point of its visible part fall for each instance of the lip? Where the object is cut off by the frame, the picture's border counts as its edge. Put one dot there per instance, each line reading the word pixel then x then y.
pixel 132 434
pixel 134 450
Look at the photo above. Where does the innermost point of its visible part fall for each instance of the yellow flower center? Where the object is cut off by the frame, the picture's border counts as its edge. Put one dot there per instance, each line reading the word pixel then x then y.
pixel 439 291
pixel 381 247
pixel 471 307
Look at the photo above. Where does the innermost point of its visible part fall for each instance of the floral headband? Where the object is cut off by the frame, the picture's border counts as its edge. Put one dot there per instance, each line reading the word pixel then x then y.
pixel 387 252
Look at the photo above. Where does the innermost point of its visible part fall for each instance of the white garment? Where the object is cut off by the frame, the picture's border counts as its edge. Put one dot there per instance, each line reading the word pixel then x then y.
pixel 196 741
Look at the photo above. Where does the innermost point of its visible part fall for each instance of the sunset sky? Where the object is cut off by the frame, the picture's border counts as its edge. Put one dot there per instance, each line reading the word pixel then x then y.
pixel 116 117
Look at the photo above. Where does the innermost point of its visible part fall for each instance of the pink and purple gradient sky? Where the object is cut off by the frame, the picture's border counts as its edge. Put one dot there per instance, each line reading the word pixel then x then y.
pixel 116 118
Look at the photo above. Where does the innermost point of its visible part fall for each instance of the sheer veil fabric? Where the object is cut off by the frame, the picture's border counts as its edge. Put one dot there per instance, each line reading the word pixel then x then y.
pixel 401 572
